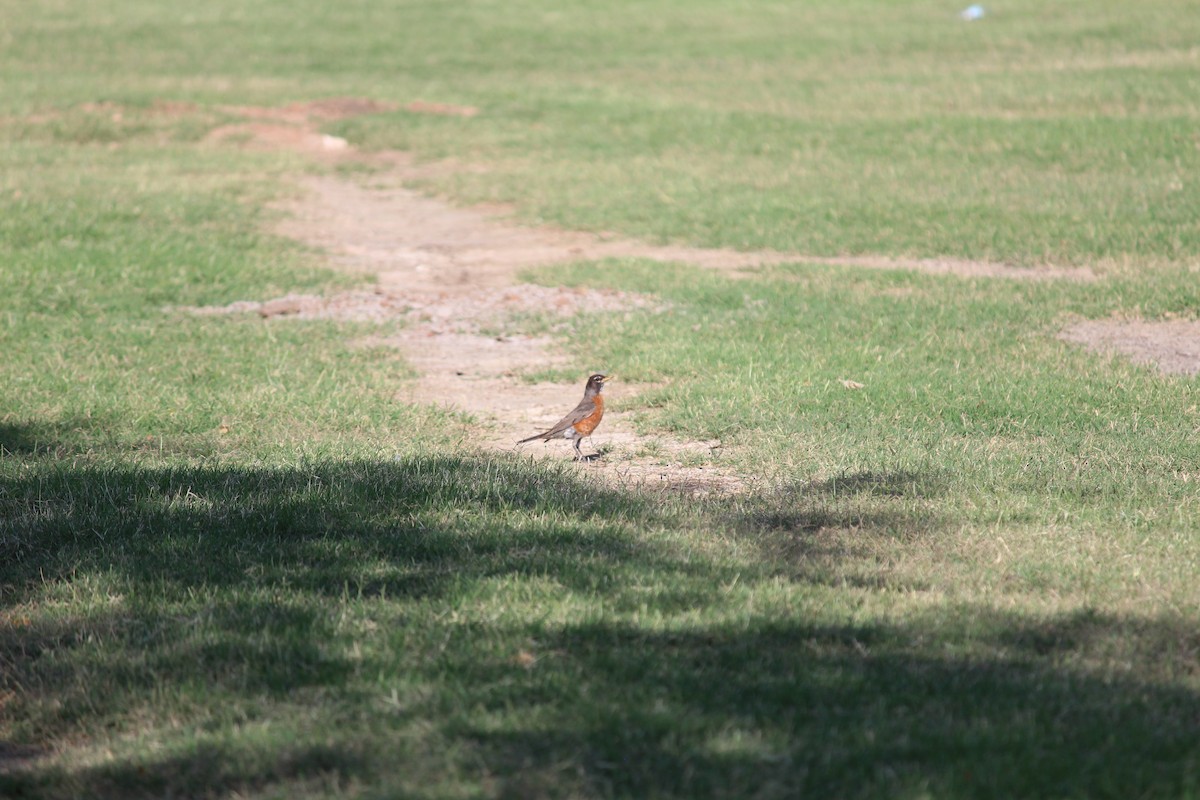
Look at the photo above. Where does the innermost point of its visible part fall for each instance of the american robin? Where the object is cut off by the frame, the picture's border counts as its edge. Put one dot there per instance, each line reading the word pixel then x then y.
pixel 582 420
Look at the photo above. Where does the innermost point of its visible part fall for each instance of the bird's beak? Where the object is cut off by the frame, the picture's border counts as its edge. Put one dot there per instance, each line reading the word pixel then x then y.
pixel 607 378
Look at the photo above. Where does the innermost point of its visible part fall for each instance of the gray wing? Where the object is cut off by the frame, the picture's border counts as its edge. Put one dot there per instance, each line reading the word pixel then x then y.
pixel 586 406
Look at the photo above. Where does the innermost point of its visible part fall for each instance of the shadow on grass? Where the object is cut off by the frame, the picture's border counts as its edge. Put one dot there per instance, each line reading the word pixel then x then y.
pixel 27 438
pixel 422 524
pixel 221 592
pixel 817 532
pixel 796 709
pixel 902 483
pixel 318 768
pixel 861 500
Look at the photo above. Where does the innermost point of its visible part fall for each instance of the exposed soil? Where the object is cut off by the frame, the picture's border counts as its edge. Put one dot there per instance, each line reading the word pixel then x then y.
pixel 451 273
pixel 1173 346
pixel 413 241
pixel 464 342
pixel 438 244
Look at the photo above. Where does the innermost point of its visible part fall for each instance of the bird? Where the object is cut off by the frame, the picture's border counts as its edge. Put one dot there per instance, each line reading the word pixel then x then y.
pixel 582 420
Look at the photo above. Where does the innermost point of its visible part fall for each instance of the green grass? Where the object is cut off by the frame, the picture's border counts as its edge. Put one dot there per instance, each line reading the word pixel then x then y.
pixel 442 626
pixel 231 564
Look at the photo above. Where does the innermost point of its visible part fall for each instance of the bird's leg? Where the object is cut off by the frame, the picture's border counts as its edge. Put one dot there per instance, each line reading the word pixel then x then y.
pixel 578 452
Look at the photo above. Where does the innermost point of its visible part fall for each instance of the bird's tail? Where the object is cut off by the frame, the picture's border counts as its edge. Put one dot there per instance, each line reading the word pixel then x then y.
pixel 531 438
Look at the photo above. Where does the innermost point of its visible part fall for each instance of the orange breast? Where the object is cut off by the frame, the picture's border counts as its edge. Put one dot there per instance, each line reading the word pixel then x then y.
pixel 588 424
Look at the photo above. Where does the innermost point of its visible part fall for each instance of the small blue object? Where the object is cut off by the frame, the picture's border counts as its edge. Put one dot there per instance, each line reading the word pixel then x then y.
pixel 972 13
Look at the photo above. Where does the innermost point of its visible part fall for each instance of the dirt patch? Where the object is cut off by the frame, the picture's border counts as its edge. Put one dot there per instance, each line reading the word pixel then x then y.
pixel 482 377
pixel 329 108
pixel 431 244
pixel 959 267
pixel 1173 346
pixel 471 358
pixel 295 127
pixel 426 243
pixel 450 275
pixel 278 136
pixel 467 310
pixel 452 242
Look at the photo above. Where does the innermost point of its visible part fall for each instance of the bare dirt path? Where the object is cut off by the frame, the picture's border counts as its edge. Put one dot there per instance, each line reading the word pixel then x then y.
pixel 429 244
pixel 461 341
pixel 451 274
